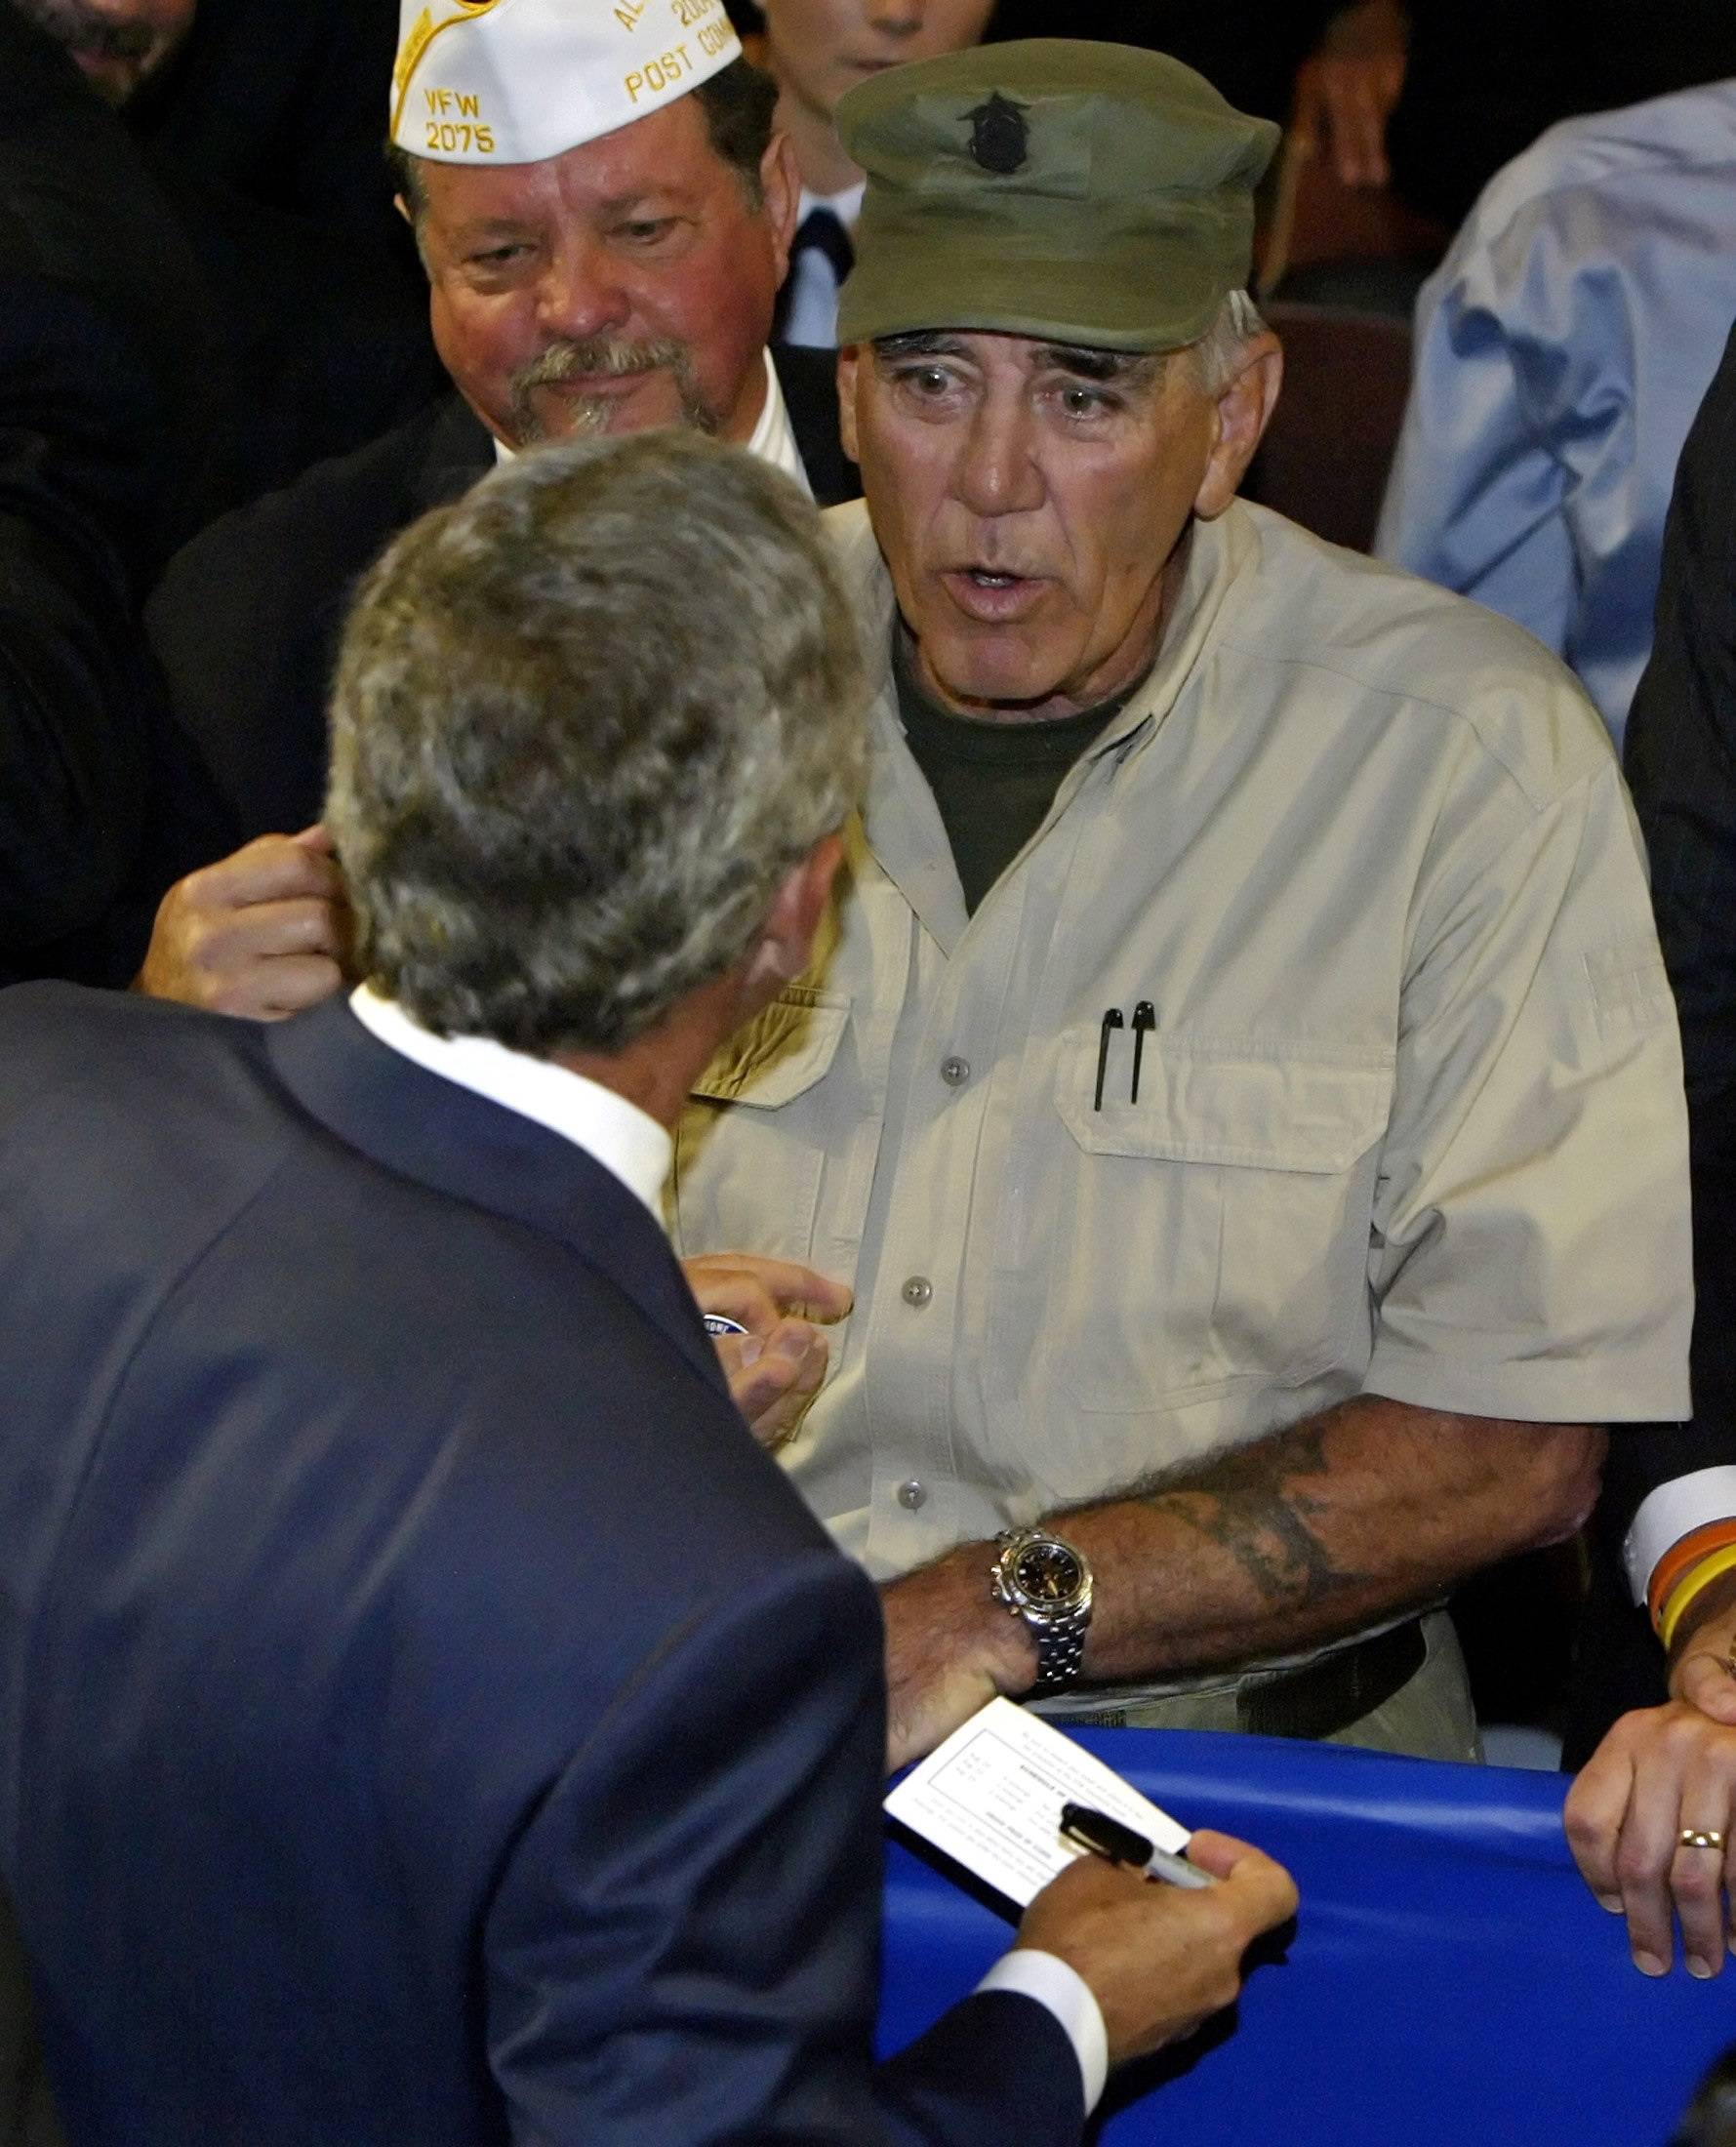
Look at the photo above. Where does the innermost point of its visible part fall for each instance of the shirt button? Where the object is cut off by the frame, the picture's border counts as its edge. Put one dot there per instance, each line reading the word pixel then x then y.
pixel 917 1291
pixel 910 1495
pixel 955 1072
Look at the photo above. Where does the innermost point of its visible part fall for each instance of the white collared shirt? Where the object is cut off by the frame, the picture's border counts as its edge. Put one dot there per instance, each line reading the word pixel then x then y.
pixel 773 438
pixel 810 308
pixel 630 1144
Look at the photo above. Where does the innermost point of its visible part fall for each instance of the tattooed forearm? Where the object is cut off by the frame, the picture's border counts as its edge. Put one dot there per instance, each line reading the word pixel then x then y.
pixel 1371 1508
pixel 1263 1505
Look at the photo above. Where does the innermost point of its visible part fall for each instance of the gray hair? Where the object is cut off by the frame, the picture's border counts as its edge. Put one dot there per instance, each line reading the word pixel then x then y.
pixel 585 721
pixel 1218 352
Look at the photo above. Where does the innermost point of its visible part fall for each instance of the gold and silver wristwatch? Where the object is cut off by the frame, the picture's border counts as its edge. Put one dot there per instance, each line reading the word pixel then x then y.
pixel 1047 1583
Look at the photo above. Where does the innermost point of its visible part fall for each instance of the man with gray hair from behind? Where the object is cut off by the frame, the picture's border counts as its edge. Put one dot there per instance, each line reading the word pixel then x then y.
pixel 627 735
pixel 397 1608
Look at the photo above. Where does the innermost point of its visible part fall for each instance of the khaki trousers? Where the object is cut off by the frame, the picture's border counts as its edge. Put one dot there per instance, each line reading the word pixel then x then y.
pixel 1429 1718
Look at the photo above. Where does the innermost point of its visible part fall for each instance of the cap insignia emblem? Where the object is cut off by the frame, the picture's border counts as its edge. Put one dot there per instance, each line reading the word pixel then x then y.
pixel 1000 139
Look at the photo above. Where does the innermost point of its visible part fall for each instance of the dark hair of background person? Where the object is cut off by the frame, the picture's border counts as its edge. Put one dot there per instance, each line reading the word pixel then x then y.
pixel 738 103
pixel 283 107
pixel 1483 80
pixel 1247 50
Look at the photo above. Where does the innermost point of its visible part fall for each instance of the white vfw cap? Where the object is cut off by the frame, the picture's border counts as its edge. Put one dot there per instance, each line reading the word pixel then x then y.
pixel 515 81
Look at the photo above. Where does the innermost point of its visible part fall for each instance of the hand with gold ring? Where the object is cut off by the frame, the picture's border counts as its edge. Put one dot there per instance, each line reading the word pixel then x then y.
pixel 1651 1818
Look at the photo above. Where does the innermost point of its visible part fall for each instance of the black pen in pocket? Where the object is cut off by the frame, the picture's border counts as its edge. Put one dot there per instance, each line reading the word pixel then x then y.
pixel 1145 1020
pixel 1111 1021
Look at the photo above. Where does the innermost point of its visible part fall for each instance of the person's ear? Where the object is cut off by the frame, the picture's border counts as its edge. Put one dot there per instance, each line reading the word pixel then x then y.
pixel 785 942
pixel 1243 408
pixel 848 360
pixel 780 197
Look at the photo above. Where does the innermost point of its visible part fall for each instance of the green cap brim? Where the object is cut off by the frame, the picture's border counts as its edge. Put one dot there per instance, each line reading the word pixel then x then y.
pixel 1001 282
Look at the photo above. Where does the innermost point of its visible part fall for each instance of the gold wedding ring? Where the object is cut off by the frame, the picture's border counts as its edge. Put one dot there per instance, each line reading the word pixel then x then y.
pixel 1700 1838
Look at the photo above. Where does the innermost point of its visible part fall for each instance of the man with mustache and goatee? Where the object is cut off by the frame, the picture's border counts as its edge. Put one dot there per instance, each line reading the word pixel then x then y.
pixel 605 215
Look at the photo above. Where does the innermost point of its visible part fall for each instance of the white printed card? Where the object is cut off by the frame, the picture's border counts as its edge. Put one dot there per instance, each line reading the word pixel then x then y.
pixel 991 1798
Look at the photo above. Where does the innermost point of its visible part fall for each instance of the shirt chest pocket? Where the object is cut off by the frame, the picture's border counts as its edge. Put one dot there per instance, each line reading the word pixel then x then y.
pixel 751 1143
pixel 1217 1228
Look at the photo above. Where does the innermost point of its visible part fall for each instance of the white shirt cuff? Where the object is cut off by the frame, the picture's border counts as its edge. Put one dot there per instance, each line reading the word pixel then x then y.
pixel 1064 1991
pixel 1673 1510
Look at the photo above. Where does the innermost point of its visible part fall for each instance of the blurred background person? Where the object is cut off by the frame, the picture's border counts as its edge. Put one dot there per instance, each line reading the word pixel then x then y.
pixel 815 50
pixel 118 408
pixel 1561 350
pixel 260 129
pixel 1484 78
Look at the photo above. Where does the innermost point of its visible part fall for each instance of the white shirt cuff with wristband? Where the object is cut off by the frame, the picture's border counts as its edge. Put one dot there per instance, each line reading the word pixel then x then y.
pixel 1065 1993
pixel 1673 1510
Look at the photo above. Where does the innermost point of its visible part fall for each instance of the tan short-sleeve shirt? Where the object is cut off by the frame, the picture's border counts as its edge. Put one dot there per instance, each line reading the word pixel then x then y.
pixel 1409 1117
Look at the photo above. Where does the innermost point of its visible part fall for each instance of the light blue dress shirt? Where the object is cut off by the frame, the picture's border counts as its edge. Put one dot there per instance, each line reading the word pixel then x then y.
pixel 1563 349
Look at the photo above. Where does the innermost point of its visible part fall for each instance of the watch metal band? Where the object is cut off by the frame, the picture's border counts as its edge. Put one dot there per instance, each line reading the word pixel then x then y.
pixel 1060 1649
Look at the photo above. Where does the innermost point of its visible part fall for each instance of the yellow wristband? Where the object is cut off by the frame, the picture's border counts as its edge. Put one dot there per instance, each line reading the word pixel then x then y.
pixel 1680 1560
pixel 1689 1586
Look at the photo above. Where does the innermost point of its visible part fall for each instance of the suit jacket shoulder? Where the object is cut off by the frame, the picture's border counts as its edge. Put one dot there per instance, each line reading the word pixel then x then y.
pixel 245 621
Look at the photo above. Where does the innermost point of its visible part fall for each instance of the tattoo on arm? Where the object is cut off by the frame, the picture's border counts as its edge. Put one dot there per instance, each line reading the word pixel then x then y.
pixel 1257 1504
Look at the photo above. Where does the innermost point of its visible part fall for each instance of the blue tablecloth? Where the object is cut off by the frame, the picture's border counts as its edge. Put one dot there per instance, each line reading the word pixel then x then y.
pixel 1449 1979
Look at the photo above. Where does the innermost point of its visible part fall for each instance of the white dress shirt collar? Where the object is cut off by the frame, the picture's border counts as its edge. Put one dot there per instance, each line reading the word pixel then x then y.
pixel 772 439
pixel 628 1144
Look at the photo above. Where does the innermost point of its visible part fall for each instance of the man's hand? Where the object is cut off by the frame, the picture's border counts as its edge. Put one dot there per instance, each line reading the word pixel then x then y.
pixel 949 1648
pixel 1346 93
pixel 1160 1959
pixel 262 934
pixel 775 1369
pixel 1660 1771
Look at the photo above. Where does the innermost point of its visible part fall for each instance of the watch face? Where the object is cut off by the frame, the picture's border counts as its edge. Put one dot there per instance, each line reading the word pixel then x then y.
pixel 1047 1572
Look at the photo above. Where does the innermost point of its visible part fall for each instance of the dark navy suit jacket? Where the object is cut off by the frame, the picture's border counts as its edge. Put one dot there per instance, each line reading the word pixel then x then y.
pixel 426 1716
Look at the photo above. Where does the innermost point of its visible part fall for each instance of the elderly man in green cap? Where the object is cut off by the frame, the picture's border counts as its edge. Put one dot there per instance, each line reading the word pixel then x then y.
pixel 1237 1076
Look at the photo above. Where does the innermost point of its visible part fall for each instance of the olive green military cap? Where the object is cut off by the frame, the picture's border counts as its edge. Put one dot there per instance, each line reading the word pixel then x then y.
pixel 1084 192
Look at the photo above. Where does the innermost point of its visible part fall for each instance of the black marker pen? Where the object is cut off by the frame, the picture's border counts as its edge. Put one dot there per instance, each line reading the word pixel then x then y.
pixel 1120 1844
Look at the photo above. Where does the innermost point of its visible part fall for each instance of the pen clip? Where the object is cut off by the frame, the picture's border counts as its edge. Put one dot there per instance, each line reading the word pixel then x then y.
pixel 1111 1021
